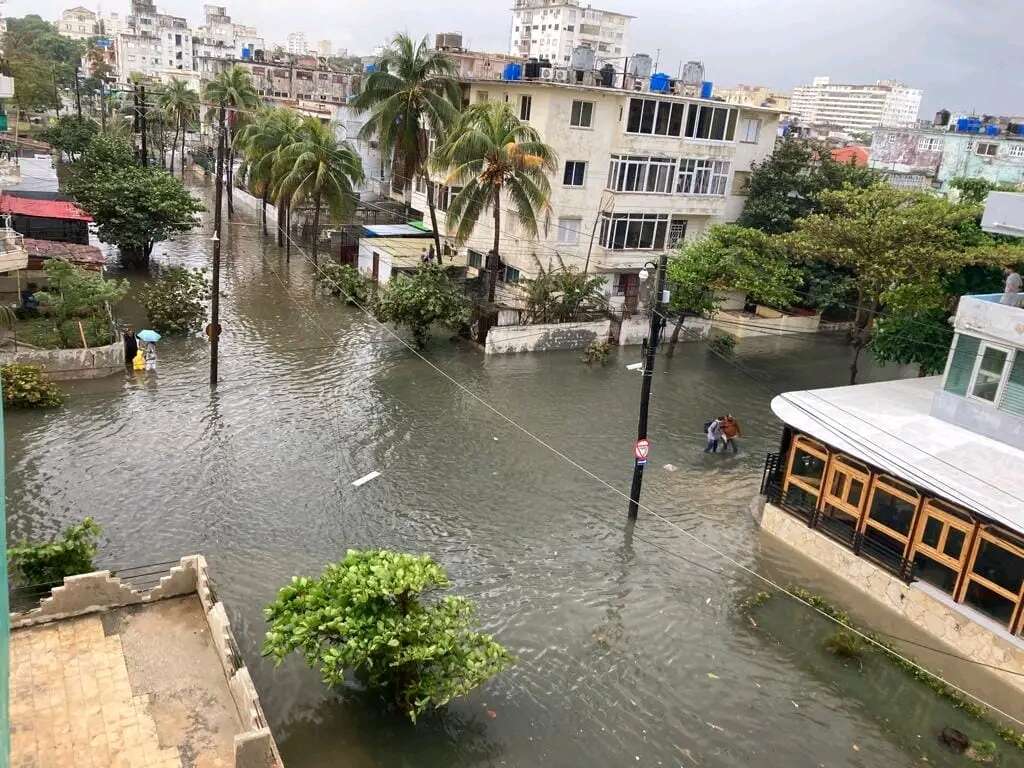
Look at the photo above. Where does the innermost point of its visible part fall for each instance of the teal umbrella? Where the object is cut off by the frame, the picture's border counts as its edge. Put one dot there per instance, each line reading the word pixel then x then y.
pixel 148 336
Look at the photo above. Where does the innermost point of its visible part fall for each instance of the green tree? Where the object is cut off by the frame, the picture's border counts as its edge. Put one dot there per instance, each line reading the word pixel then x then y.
pixel 26 386
pixel 368 614
pixel 320 169
pixel 491 153
pixel 181 105
pixel 70 135
pixel 35 88
pixel 76 293
pixel 413 90
pixel 973 191
pixel 262 141
pixel 176 301
pixel 57 55
pixel 419 300
pixel 50 562
pixel 914 330
pixel 233 91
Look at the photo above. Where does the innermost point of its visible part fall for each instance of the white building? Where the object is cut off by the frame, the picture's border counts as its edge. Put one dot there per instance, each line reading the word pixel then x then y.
pixel 297 44
pixel 78 23
pixel 551 29
pixel 324 48
pixel 219 37
pixel 856 107
pixel 153 42
pixel 641 171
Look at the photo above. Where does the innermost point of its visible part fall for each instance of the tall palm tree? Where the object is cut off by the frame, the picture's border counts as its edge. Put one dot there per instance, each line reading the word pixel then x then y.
pixel 319 169
pixel 181 105
pixel 262 141
pixel 489 152
pixel 232 90
pixel 414 90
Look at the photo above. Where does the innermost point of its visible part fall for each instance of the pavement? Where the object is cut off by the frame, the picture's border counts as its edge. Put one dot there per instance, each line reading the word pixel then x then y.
pixel 136 687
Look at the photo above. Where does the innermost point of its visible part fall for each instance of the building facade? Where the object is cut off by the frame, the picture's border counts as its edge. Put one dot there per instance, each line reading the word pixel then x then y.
pixel 755 96
pixel 296 44
pixel 311 89
pixel 153 42
pixel 638 173
pixel 220 37
pixel 551 29
pixel 78 23
pixel 856 108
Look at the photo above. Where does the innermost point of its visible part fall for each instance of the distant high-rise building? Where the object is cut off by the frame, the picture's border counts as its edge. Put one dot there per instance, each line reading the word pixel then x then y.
pixel 551 29
pixel 78 23
pixel 297 43
pixel 221 38
pixel 856 107
pixel 754 96
pixel 324 47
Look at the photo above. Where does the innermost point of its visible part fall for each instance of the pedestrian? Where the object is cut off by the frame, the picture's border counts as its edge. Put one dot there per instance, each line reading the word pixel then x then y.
pixel 131 345
pixel 1011 291
pixel 150 355
pixel 730 431
pixel 714 433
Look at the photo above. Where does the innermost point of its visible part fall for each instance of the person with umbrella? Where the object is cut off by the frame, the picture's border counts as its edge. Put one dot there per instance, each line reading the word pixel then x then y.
pixel 150 338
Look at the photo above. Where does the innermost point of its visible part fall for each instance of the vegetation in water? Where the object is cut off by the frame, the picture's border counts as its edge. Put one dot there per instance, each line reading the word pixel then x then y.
pixel 421 299
pixel 344 280
pixel 982 751
pixel 845 644
pixel 723 344
pixel 75 294
pixel 563 296
pixel 51 561
pixel 597 352
pixel 26 386
pixel 374 614
pixel 176 301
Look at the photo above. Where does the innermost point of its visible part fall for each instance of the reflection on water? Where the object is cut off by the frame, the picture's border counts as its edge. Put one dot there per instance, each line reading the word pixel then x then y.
pixel 614 639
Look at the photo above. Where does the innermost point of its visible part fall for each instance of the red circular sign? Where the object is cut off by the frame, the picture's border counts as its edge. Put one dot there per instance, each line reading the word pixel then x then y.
pixel 641 449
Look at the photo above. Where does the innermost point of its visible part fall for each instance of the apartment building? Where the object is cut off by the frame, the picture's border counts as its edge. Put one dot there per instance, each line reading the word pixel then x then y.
pixel 754 96
pixel 639 172
pixel 78 23
pixel 220 37
pixel 153 42
pixel 299 83
pixel 551 29
pixel 296 44
pixel 855 108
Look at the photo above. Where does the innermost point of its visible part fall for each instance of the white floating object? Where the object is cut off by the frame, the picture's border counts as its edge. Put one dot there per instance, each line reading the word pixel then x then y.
pixel 365 479
pixel 670 467
pixel 634 366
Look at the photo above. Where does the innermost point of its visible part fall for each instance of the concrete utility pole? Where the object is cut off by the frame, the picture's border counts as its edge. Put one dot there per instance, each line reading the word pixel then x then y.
pixel 142 124
pixel 78 96
pixel 659 300
pixel 213 331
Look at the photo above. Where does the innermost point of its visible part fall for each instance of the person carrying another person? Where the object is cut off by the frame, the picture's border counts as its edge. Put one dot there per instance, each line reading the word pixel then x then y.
pixel 714 433
pixel 731 431
pixel 1011 291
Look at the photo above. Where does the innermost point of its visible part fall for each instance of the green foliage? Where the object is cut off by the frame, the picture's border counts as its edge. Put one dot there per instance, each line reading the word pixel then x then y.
pixel 845 644
pixel 914 328
pixel 563 296
pixel 597 352
pixel 26 386
pixel 369 614
pixel 730 257
pixel 973 191
pixel 41 61
pixel 44 332
pixel 74 292
pixel 419 300
pixel 176 301
pixel 35 89
pixel 52 561
pixel 982 751
pixel 723 344
pixel 344 280
pixel 70 134
pixel 826 287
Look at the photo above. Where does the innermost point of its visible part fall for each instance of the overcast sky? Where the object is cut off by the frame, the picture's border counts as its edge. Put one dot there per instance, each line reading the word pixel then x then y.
pixel 965 54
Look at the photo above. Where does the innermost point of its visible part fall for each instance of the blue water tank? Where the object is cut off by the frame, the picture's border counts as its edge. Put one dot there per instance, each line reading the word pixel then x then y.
pixel 1020 129
pixel 246 53
pixel 660 82
pixel 707 88
pixel 968 125
pixel 370 68
pixel 512 71
pixel 991 130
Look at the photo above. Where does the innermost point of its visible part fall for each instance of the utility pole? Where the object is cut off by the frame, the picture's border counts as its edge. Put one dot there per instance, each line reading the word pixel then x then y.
pixel 214 330
pixel 142 123
pixel 658 302
pixel 78 96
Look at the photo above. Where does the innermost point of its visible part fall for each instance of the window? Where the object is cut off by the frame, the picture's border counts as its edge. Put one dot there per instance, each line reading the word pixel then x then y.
pixel 475 259
pixel 582 114
pixel 1015 150
pixel 702 177
pixel 988 377
pixel 846 487
pixel 929 144
pixel 1012 399
pixel 676 232
pixel 481 96
pixel 807 460
pixel 650 116
pixel 987 148
pixel 750 130
pixel 575 170
pixel 627 173
pixel 711 123
pixel 939 552
pixel 525 103
pixel 891 511
pixel 633 231
pixel 961 364
pixel 994 579
pixel 569 230
pixel 444 196
pixel 509 274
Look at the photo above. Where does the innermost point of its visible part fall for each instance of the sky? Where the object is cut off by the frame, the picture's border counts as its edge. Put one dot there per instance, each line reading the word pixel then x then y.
pixel 966 55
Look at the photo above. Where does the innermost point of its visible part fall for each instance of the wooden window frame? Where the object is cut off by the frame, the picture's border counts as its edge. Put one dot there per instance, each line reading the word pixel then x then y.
pixel 814 448
pixel 900 490
pixel 984 534
pixel 948 519
pixel 851 469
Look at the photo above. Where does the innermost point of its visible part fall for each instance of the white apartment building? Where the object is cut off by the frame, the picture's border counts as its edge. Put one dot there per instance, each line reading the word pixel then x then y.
pixel 219 37
pixel 296 43
pixel 642 171
pixel 856 107
pixel 78 23
pixel 324 48
pixel 153 42
pixel 551 29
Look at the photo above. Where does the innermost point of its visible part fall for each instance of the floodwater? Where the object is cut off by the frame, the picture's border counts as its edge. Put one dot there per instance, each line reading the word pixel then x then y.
pixel 630 648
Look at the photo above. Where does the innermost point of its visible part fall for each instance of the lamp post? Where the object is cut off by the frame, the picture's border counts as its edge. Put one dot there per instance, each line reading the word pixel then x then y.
pixel 659 300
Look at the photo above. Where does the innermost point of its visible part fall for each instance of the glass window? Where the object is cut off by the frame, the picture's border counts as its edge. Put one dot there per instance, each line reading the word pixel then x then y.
pixel 998 564
pixel 525 105
pixel 990 373
pixel 939 544
pixel 961 364
pixel 934 573
pixel 1012 399
pixel 675 121
pixel 647 118
pixel 582 114
pixel 750 130
pixel 569 230
pixel 574 173
pixel 990 603
pixel 807 461
pixel 892 509
pixel 661 122
pixel 954 546
pixel 932 532
pixel 633 231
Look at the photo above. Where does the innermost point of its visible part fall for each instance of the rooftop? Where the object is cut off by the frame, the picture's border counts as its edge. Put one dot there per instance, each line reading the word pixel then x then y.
pixel 87 255
pixel 46 209
pixel 889 426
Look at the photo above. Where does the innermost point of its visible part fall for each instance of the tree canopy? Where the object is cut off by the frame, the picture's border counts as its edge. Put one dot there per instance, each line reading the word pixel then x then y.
pixel 421 299
pixel 70 134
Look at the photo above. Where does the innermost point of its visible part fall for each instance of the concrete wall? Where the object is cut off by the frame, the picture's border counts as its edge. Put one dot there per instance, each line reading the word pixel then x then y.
pixel 544 338
pixel 635 329
pixel 252 204
pixel 743 325
pixel 991 320
pixel 964 630
pixel 65 364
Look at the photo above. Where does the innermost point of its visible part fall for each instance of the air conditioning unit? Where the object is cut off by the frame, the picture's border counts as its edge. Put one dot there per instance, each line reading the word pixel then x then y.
pixel 562 75
pixel 547 74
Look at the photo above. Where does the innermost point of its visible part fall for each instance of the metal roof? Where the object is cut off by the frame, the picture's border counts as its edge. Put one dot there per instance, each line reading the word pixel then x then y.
pixel 45 209
pixel 393 230
pixel 889 425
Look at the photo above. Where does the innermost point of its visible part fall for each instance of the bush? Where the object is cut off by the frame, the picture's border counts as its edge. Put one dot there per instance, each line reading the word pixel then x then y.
pixel 723 344
pixel 367 614
pixel 78 294
pixel 597 352
pixel 52 561
pixel 176 301
pixel 419 300
pixel 26 386
pixel 845 644
pixel 344 280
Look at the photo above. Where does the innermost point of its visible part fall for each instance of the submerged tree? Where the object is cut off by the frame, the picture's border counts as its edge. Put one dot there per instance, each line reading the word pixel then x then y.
pixel 421 299
pixel 373 614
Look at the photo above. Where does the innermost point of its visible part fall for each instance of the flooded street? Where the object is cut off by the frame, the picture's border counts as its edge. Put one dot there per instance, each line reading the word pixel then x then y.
pixel 630 650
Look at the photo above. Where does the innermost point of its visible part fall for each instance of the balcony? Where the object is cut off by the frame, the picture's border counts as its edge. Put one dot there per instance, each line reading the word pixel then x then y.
pixel 12 251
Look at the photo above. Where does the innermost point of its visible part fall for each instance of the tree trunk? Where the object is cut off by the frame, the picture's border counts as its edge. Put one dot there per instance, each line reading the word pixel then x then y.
pixel 231 182
pixel 174 147
pixel 280 223
pixel 433 216
pixel 495 258
pixel 316 227
pixel 288 233
pixel 264 200
pixel 861 335
pixel 183 151
pixel 675 336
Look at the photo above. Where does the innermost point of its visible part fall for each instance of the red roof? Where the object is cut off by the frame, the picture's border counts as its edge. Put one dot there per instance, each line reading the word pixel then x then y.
pixel 88 256
pixel 854 154
pixel 44 209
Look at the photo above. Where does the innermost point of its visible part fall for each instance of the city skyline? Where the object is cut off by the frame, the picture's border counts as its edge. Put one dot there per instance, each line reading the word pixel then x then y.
pixel 959 59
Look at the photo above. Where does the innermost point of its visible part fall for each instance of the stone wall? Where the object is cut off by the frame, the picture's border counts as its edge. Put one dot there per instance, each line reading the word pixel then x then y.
pixel 66 364
pixel 544 338
pixel 958 626
pixel 742 325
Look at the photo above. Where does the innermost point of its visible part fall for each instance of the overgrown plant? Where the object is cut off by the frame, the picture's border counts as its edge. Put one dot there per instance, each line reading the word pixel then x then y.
pixel 597 352
pixel 76 294
pixel 421 299
pixel 345 281
pixel 51 561
pixel 176 301
pixel 26 386
pixel 374 614
pixel 723 344
pixel 563 296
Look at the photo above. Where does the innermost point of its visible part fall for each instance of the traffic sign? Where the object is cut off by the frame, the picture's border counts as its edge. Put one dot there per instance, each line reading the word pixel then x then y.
pixel 641 449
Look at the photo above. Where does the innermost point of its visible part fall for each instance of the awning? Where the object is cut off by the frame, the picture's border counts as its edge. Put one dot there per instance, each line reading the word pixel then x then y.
pixel 393 230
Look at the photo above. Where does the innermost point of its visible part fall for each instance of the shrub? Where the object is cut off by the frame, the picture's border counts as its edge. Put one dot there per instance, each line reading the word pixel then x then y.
pixel 597 352
pixel 52 561
pixel 723 344
pixel 845 644
pixel 367 614
pixel 176 301
pixel 77 294
pixel 344 280
pixel 419 300
pixel 26 386
pixel 982 751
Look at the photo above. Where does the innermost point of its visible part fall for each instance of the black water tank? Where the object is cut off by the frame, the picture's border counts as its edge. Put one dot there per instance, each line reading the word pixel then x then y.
pixel 942 118
pixel 532 69
pixel 608 76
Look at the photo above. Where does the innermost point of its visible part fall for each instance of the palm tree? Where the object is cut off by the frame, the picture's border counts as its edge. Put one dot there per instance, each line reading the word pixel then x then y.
pixel 488 152
pixel 319 168
pixel 233 91
pixel 415 89
pixel 181 105
pixel 262 141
